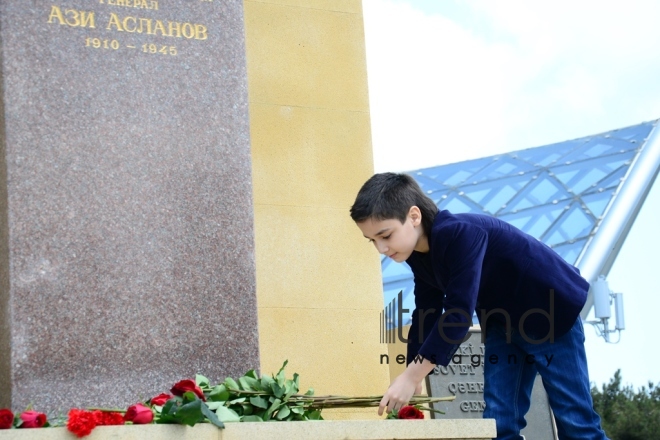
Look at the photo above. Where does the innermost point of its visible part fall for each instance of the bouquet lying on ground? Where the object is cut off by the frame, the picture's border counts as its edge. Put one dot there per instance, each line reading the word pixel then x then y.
pixel 250 398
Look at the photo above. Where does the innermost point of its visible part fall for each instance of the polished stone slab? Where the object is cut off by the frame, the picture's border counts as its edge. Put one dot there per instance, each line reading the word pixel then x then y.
pixel 126 220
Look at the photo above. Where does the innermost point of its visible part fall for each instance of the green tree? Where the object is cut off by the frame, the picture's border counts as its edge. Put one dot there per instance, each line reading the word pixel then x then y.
pixel 626 414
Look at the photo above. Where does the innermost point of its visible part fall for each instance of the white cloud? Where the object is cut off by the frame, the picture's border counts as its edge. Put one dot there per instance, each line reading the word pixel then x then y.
pixel 517 74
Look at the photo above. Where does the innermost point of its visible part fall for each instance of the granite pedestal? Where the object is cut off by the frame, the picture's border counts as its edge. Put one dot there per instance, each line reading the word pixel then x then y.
pixel 126 220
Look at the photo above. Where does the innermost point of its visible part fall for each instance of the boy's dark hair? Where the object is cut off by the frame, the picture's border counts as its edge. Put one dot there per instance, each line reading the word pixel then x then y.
pixel 390 196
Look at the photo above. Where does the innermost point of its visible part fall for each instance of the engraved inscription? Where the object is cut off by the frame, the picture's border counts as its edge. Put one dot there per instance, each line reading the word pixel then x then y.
pixel 117 23
pixel 97 43
pixel 463 378
pixel 71 17
pixel 143 4
pixel 465 387
pixel 163 50
pixel 473 406
pixel 157 27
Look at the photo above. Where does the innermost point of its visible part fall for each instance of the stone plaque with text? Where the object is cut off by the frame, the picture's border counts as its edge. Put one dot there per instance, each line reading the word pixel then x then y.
pixel 464 379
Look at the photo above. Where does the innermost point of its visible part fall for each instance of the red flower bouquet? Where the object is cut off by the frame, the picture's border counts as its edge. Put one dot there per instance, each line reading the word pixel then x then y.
pixel 250 398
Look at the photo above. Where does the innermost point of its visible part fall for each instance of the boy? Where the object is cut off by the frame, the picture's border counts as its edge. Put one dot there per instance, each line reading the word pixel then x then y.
pixel 527 297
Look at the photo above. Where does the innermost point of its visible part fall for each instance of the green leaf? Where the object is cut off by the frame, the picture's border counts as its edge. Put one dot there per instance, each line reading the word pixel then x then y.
pixel 283 413
pixel 298 410
pixel 243 383
pixel 219 393
pixel 290 389
pixel 189 396
pixel 310 392
pixel 238 408
pixel 314 415
pixel 283 366
pixel 170 407
pixel 190 413
pixel 235 401
pixel 280 378
pixel 277 389
pixel 259 402
pixel 266 382
pixel 247 409
pixel 227 415
pixel 166 419
pixel 274 406
pixel 214 405
pixel 252 419
pixel 252 383
pixel 252 374
pixel 201 381
pixel 231 384
pixel 211 416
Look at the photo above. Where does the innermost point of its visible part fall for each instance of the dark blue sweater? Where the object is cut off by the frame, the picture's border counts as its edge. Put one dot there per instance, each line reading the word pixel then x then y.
pixel 477 262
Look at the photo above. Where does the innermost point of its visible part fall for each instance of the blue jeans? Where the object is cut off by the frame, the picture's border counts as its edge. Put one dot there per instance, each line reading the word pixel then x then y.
pixel 563 369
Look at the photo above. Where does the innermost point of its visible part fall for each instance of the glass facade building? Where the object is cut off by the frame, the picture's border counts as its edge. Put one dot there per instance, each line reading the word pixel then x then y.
pixel 560 194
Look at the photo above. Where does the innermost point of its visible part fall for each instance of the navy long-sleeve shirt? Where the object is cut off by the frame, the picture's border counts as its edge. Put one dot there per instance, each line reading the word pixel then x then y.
pixel 477 262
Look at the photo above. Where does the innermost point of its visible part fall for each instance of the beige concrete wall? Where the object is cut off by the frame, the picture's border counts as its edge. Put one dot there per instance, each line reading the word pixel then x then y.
pixel 395 349
pixel 318 280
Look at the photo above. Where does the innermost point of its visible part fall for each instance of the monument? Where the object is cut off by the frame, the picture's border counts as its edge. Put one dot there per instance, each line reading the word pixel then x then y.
pixel 126 221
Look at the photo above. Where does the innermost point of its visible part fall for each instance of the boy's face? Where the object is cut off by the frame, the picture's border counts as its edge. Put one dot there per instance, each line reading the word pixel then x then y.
pixel 395 239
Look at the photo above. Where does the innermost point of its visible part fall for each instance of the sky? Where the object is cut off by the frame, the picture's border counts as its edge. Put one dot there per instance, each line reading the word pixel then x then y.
pixel 456 80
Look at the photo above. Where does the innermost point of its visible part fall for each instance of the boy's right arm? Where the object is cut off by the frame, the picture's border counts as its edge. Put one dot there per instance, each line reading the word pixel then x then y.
pixel 428 308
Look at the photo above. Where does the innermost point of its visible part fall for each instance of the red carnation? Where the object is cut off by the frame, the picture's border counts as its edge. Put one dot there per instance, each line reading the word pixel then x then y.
pixel 81 422
pixel 33 419
pixel 409 412
pixel 107 418
pixel 160 399
pixel 139 414
pixel 187 385
pixel 6 419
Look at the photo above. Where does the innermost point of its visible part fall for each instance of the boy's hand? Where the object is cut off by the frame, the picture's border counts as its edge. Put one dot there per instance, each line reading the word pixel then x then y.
pixel 398 394
pixel 403 387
